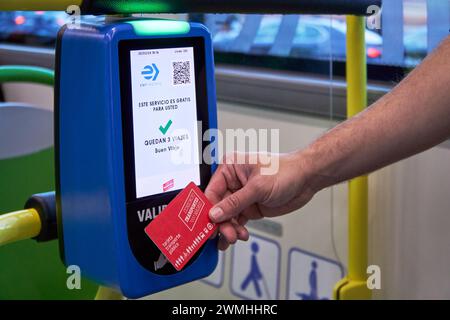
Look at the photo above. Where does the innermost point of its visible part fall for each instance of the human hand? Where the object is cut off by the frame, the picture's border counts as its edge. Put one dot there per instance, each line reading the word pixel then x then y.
pixel 240 192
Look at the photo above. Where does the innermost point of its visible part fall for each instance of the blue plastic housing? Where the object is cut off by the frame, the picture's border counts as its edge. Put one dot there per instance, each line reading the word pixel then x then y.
pixel 90 164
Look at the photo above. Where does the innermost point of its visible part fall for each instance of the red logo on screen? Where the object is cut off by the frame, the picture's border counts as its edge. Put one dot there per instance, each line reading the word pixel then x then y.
pixel 168 185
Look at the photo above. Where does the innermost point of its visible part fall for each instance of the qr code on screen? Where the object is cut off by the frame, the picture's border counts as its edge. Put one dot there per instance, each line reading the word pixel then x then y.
pixel 181 72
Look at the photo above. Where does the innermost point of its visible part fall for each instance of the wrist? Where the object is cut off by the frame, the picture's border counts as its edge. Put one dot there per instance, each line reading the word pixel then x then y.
pixel 313 169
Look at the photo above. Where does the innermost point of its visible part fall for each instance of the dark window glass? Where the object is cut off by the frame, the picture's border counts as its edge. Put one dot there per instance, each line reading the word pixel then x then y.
pixel 409 30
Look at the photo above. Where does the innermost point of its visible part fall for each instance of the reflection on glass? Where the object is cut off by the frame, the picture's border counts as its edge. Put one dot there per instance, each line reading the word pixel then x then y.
pixel 31 27
pixel 267 33
pixel 225 29
pixel 318 37
pixel 415 30
pixel 420 23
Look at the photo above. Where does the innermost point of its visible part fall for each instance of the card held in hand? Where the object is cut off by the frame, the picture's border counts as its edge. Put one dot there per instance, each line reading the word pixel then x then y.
pixel 183 227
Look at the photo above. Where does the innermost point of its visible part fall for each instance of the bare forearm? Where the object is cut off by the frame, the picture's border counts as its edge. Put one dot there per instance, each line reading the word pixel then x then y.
pixel 413 117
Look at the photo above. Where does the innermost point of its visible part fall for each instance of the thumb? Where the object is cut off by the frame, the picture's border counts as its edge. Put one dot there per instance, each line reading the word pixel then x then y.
pixel 232 205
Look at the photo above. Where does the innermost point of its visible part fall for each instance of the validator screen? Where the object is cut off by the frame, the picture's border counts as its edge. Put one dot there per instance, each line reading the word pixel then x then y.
pixel 164 108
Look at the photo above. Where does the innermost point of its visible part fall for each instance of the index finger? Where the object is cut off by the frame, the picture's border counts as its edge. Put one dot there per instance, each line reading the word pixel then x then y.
pixel 217 186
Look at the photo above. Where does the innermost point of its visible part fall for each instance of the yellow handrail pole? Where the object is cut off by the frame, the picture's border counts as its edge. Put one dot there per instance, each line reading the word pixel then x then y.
pixel 357 101
pixel 36 5
pixel 105 293
pixel 19 225
pixel 354 285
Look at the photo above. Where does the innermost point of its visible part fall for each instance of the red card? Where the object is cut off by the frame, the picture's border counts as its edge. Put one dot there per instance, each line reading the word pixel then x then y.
pixel 183 227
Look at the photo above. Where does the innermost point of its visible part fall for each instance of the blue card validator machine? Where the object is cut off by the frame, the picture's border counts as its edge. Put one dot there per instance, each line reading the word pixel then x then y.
pixel 129 95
